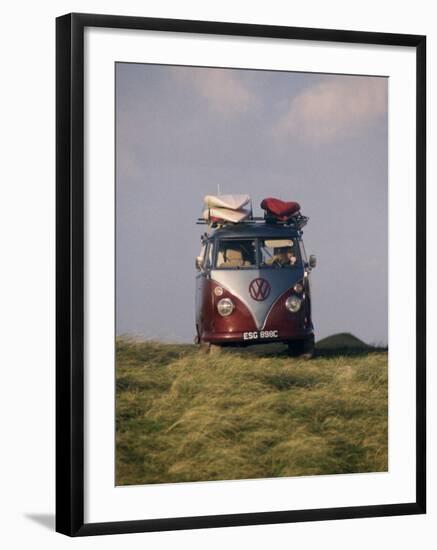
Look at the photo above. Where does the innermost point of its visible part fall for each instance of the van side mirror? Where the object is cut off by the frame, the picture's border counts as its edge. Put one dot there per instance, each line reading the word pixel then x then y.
pixel 198 263
pixel 312 261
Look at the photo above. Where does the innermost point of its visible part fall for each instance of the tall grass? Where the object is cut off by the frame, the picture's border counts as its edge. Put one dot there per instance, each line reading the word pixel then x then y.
pixel 182 415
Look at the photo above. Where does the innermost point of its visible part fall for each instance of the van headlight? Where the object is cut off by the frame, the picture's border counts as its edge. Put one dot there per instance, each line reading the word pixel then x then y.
pixel 293 303
pixel 225 307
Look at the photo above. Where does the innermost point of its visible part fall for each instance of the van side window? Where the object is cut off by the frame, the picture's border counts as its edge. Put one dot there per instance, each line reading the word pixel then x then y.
pixel 303 252
pixel 208 256
pixel 202 253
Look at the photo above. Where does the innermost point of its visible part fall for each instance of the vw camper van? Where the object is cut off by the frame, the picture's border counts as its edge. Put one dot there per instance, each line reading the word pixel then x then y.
pixel 252 283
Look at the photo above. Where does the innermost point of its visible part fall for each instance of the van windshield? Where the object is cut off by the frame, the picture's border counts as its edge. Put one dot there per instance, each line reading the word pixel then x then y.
pixel 254 253
pixel 278 253
pixel 236 254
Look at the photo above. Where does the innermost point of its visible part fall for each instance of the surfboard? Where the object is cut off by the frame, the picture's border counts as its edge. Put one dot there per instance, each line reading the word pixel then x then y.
pixel 280 209
pixel 231 202
pixel 225 214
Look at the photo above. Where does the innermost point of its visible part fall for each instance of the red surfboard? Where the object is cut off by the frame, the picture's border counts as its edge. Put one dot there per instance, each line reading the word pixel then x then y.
pixel 280 209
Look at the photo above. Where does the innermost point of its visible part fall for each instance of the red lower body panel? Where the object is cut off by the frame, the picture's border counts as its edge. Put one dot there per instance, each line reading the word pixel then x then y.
pixel 240 327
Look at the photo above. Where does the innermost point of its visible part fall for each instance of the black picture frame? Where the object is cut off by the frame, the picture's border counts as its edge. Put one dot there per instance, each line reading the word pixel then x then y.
pixel 70 273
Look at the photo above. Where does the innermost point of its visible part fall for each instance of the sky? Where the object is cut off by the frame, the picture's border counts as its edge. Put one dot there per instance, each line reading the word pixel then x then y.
pixel 320 140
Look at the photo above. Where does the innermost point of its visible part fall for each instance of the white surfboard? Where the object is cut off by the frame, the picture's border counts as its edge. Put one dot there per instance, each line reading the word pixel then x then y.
pixel 226 214
pixel 232 202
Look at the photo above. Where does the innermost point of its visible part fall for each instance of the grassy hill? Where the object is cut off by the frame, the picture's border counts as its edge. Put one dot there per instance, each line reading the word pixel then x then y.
pixel 183 415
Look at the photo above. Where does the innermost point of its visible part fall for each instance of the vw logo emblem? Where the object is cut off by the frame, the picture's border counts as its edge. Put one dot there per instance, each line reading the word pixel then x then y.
pixel 259 289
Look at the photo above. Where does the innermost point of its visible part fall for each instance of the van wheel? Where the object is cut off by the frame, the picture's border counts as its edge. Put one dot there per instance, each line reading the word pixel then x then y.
pixel 203 346
pixel 214 349
pixel 206 347
pixel 303 349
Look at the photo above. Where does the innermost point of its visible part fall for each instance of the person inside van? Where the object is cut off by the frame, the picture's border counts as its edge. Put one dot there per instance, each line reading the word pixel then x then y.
pixel 283 255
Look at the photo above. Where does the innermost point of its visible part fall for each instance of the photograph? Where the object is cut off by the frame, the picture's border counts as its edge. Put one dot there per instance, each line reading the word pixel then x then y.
pixel 251 274
pixel 215 226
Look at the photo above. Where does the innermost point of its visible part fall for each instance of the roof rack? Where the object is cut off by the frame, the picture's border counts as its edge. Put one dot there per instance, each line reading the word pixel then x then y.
pixel 297 220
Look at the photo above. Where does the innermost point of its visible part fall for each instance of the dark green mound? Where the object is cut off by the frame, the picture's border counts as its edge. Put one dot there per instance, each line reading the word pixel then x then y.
pixel 343 340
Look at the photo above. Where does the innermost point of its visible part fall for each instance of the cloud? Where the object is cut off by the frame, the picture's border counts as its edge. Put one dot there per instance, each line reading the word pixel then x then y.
pixel 335 108
pixel 223 89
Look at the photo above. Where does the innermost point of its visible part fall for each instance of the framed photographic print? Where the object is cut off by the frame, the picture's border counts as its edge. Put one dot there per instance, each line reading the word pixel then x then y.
pixel 240 274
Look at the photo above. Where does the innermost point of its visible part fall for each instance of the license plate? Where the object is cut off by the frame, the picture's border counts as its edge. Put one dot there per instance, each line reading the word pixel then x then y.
pixel 259 335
